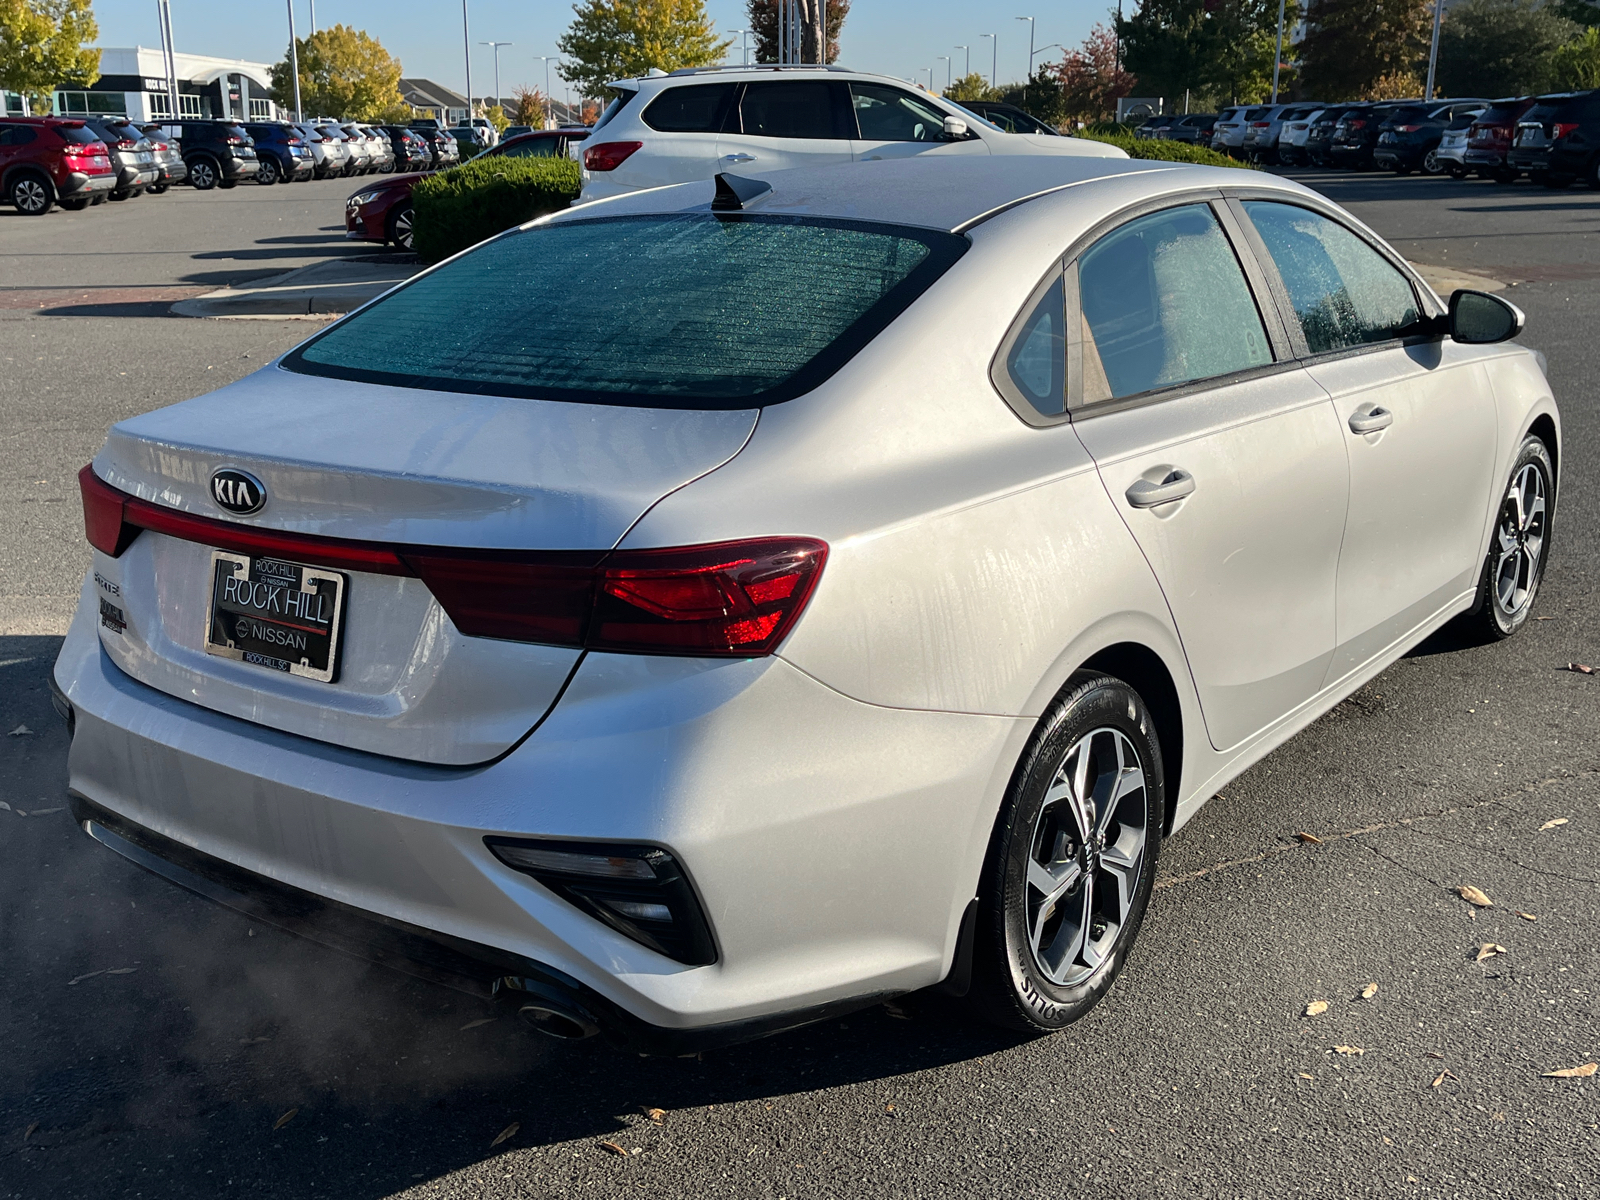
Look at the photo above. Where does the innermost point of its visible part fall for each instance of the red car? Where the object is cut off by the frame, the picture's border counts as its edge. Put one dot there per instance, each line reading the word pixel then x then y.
pixel 46 161
pixel 382 212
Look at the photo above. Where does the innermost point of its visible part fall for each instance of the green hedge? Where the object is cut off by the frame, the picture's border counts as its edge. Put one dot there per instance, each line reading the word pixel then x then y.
pixel 1162 151
pixel 464 205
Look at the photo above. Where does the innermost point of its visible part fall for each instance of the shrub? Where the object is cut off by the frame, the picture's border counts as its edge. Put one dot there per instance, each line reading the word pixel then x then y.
pixel 1164 151
pixel 464 205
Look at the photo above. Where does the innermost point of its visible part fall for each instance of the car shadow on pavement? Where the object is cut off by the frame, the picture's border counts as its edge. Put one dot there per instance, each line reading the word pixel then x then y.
pixel 168 1040
pixel 135 308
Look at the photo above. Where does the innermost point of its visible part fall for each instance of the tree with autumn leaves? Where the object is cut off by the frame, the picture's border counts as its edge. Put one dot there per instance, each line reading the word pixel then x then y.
pixel 42 48
pixel 345 74
pixel 622 39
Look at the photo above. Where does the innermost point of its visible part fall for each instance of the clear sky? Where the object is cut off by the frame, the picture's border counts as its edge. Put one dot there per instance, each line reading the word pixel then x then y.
pixel 897 37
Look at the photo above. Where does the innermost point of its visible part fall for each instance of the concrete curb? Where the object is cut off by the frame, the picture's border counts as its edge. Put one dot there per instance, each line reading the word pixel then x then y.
pixel 314 292
pixel 1445 280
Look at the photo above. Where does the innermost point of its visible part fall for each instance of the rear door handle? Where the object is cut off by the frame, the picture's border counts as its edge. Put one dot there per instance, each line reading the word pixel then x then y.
pixel 1144 494
pixel 1370 418
pixel 739 158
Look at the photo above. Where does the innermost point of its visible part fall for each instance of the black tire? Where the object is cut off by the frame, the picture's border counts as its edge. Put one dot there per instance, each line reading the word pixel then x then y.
pixel 1040 836
pixel 75 204
pixel 1403 170
pixel 225 184
pixel 119 196
pixel 1504 174
pixel 399 230
pixel 1519 548
pixel 1555 182
pixel 31 193
pixel 1458 172
pixel 98 200
pixel 204 174
pixel 158 189
pixel 268 174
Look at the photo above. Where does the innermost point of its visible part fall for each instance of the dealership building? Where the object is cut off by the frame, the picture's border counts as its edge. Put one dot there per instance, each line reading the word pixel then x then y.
pixel 133 84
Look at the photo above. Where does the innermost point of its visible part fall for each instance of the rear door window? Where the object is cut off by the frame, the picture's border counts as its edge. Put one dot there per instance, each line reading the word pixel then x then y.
pixel 1344 292
pixel 532 148
pixel 801 109
pixel 699 109
pixel 1164 302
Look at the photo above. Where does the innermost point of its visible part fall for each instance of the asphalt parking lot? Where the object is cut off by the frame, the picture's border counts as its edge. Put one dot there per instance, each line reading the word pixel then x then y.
pixel 157 1046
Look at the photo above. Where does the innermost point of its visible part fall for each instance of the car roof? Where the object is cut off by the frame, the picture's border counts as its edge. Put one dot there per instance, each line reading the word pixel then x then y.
pixel 950 194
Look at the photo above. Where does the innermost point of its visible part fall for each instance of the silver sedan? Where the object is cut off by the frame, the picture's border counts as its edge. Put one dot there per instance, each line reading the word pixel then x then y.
pixel 715 608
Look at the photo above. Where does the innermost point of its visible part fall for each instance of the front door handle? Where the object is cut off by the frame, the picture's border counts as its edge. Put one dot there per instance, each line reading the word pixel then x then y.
pixel 1370 418
pixel 1144 494
pixel 739 158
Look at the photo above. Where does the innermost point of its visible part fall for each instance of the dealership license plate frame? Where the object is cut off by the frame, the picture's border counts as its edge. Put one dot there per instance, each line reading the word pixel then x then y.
pixel 219 643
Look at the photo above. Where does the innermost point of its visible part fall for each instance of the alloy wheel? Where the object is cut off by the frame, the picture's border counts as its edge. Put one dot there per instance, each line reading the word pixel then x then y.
pixel 1087 852
pixel 402 228
pixel 268 172
pixel 202 176
pixel 30 196
pixel 1521 537
pixel 1431 164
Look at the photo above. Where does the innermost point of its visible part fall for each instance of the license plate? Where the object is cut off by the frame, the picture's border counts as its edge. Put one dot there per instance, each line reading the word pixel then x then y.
pixel 279 615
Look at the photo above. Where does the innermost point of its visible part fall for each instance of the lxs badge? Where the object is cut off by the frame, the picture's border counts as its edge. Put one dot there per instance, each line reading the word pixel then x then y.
pixel 237 491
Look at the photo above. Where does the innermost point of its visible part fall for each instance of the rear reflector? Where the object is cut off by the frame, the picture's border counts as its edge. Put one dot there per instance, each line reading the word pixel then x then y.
pixel 727 599
pixel 609 156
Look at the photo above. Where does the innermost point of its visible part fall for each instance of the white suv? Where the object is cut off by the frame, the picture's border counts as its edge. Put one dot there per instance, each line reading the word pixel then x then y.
pixel 692 124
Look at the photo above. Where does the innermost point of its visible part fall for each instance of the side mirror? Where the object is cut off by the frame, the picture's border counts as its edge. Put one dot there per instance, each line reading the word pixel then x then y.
pixel 1479 319
pixel 955 129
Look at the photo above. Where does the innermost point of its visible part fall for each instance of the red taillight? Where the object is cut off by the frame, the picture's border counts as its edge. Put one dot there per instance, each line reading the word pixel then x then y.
pixel 1561 128
pixel 234 141
pixel 609 156
pixel 1260 124
pixel 296 142
pixel 729 599
pixel 1407 128
pixel 1355 125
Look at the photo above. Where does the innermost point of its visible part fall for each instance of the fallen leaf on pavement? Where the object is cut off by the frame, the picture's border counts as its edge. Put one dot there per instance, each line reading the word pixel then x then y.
pixel 657 1115
pixel 1526 916
pixel 5 806
pixel 1474 896
pixel 614 1148
pixel 20 731
pixel 1579 668
pixel 1303 1075
pixel 122 970
pixel 1309 839
pixel 285 1119
pixel 1552 823
pixel 1582 1072
pixel 895 1011
pixel 478 1022
pixel 1368 992
pixel 1443 1075
pixel 1434 1054
pixel 90 975
pixel 1349 1051
pixel 509 1131
pixel 1316 1008
pixel 30 1131
pixel 1489 950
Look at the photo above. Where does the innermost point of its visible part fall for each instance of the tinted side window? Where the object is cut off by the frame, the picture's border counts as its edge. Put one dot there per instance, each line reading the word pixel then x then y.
pixel 1344 292
pixel 788 110
pixel 1036 364
pixel 698 109
pixel 532 148
pixel 1164 302
pixel 887 114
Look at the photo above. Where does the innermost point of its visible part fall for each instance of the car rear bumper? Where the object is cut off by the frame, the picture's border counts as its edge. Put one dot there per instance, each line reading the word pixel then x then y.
pixel 834 846
pixel 1484 158
pixel 78 184
pixel 238 168
pixel 1529 160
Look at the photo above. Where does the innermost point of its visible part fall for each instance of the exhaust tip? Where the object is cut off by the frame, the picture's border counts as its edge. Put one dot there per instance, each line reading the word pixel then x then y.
pixel 564 1024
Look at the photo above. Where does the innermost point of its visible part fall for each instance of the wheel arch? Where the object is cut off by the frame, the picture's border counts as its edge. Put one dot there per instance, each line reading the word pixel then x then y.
pixel 1142 669
pixel 1543 427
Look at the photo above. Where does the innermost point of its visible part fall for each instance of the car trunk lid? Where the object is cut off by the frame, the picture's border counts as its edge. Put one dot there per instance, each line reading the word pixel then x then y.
pixel 363 462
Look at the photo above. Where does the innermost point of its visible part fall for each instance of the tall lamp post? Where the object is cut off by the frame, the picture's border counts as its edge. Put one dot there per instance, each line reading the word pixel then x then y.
pixel 313 16
pixel 967 70
pixel 1277 59
pixel 744 44
pixel 294 66
pixel 995 61
pixel 948 67
pixel 1433 54
pixel 1030 22
pixel 549 102
pixel 498 98
pixel 466 50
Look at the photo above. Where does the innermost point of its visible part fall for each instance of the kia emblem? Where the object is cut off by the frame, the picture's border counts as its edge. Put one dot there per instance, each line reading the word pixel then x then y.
pixel 237 491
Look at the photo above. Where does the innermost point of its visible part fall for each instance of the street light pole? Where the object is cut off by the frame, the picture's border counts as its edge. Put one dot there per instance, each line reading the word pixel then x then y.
pixel 294 66
pixel 1031 26
pixel 313 16
pixel 742 50
pixel 1277 59
pixel 967 70
pixel 995 61
pixel 948 67
pixel 498 98
pixel 466 49
pixel 549 103
pixel 1433 54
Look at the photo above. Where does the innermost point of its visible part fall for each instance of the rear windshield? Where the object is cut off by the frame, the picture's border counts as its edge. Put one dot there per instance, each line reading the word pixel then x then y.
pixel 81 134
pixel 1546 110
pixel 1497 114
pixel 1409 115
pixel 682 310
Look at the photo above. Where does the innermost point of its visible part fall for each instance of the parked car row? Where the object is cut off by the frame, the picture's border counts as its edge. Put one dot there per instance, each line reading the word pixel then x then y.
pixel 1553 139
pixel 79 162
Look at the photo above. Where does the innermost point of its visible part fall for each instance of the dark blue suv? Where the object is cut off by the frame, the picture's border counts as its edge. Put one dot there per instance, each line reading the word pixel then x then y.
pixel 284 155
